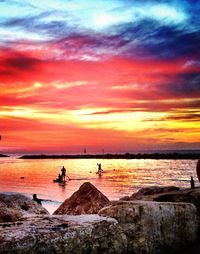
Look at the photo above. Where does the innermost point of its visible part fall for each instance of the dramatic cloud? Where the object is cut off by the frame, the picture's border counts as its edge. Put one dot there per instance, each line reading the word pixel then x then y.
pixel 114 68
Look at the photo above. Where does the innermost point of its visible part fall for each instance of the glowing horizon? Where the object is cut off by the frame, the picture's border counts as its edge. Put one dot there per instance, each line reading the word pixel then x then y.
pixel 115 75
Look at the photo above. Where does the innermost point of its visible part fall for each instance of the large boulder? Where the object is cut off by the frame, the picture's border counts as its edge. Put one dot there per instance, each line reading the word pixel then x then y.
pixel 154 227
pixel 87 200
pixel 144 193
pixel 168 194
pixel 15 206
pixel 152 190
pixel 184 195
pixel 81 234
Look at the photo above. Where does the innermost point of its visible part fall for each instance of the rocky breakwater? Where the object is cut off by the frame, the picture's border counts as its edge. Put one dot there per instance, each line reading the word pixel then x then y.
pixel 120 227
pixel 3 155
pixel 14 207
pixel 63 234
pixel 168 194
pixel 154 227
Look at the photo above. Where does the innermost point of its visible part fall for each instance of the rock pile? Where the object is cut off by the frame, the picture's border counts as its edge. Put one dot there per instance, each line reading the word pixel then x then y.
pixel 154 227
pixel 87 200
pixel 119 227
pixel 147 192
pixel 15 206
pixel 63 234
pixel 168 194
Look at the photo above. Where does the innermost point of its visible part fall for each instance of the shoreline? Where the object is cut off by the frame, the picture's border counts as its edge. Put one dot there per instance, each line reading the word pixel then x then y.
pixel 3 156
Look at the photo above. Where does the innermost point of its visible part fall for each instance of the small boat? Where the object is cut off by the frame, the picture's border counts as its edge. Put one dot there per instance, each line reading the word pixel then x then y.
pixel 198 170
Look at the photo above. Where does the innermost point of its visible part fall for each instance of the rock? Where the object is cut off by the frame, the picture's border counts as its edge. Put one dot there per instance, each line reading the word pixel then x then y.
pixel 135 227
pixel 81 234
pixel 148 191
pixel 168 194
pixel 87 200
pixel 184 195
pixel 15 206
pixel 8 214
pixel 155 227
pixel 125 198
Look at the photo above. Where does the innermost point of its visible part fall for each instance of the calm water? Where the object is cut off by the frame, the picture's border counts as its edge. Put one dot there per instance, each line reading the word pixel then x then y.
pixel 120 178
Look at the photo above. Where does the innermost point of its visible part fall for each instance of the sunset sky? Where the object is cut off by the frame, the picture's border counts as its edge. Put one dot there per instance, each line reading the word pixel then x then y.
pixel 122 76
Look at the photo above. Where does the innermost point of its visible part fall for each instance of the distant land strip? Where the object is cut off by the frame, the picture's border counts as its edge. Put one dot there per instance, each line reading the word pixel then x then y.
pixel 3 155
pixel 157 156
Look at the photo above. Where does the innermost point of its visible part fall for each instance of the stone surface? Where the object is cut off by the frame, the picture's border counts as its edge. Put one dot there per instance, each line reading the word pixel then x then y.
pixel 138 227
pixel 168 194
pixel 87 200
pixel 148 191
pixel 155 227
pixel 184 195
pixel 63 234
pixel 15 206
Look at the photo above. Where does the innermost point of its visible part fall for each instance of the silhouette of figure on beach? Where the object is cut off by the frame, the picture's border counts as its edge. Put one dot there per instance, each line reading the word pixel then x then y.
pixel 36 199
pixel 192 183
pixel 63 175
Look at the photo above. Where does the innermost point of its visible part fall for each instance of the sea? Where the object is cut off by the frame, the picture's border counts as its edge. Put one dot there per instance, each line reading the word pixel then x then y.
pixel 121 177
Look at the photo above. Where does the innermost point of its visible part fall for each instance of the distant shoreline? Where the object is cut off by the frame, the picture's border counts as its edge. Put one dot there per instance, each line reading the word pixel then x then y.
pixel 157 156
pixel 3 155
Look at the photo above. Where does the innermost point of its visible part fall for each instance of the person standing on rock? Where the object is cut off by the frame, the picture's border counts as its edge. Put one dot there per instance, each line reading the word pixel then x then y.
pixel 37 199
pixel 192 183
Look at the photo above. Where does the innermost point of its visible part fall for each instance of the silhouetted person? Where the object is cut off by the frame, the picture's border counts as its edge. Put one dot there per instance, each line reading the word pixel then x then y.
pixel 99 166
pixel 36 199
pixel 59 178
pixel 63 170
pixel 192 183
pixel 100 170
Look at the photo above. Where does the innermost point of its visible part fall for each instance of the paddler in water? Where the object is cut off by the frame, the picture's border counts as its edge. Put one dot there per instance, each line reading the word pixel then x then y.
pixel 59 178
pixel 63 175
pixel 100 170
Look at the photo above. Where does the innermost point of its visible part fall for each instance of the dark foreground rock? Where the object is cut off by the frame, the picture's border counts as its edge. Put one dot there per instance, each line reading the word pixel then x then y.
pixel 186 195
pixel 63 234
pixel 87 200
pixel 149 191
pixel 154 227
pixel 168 194
pixel 14 206
pixel 139 227
pixel 129 227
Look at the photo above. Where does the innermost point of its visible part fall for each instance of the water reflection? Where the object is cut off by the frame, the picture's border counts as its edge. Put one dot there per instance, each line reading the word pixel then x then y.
pixel 120 177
